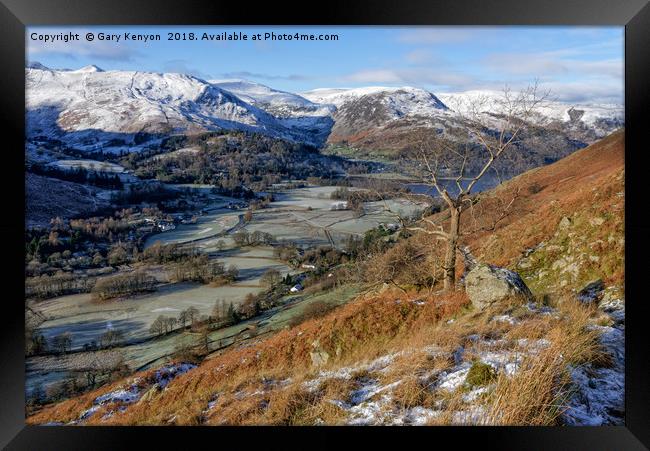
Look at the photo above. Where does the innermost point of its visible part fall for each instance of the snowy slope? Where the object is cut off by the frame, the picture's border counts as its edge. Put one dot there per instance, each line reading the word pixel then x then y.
pixel 89 107
pixel 292 111
pixel 370 116
pixel 92 109
pixel 279 103
pixel 415 102
pixel 398 102
pixel 602 119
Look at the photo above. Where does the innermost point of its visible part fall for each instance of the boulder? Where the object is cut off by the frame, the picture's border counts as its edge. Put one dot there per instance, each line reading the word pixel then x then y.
pixel 565 223
pixel 487 284
pixel 592 292
pixel 150 394
pixel 318 356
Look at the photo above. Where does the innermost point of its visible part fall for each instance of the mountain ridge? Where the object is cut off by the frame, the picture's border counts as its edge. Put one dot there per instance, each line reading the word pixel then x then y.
pixel 91 109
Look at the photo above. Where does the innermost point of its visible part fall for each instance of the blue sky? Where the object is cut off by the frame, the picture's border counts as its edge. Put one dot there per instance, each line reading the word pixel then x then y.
pixel 578 64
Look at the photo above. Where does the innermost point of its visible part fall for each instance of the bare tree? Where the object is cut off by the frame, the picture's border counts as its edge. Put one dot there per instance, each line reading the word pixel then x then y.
pixel 486 129
pixel 103 364
pixel 271 277
pixel 110 338
pixel 192 315
pixel 158 326
pixel 204 338
pixel 182 318
pixel 62 342
pixel 170 323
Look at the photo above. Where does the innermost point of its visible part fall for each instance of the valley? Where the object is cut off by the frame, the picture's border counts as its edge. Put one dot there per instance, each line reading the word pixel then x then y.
pixel 177 226
pixel 303 216
pixel 386 352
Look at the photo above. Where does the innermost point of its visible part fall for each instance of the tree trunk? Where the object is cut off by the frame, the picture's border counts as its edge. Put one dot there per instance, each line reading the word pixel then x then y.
pixel 450 254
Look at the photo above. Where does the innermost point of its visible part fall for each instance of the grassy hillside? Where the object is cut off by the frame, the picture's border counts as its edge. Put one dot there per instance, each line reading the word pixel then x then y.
pixel 403 356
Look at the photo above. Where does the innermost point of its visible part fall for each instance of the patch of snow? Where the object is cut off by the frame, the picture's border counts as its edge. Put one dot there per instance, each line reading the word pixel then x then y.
pixel 417 416
pixel 473 416
pixel 599 392
pixel 122 395
pixel 373 412
pixel 168 372
pixel 540 309
pixel 88 412
pixel 451 379
pixel 379 364
pixel 504 360
pixel 212 402
pixel 370 389
pixel 473 395
pixel 533 344
pixel 505 319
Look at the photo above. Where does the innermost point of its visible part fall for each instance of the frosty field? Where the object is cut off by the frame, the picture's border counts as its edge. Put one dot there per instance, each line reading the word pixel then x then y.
pixel 303 216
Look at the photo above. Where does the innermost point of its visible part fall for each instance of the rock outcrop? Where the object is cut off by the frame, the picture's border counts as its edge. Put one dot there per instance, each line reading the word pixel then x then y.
pixel 319 357
pixel 592 292
pixel 487 284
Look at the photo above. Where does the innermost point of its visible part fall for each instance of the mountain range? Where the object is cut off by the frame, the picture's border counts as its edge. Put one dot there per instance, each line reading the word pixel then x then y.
pixel 116 111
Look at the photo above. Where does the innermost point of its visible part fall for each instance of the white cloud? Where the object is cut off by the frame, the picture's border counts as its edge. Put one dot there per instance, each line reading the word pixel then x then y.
pixel 421 56
pixel 264 76
pixel 586 91
pixel 416 76
pixel 437 35
pixel 181 67
pixel 541 65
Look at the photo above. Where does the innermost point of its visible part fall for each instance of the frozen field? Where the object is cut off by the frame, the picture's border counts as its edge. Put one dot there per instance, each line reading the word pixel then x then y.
pixel 214 223
pixel 304 216
pixel 45 370
pixel 93 165
pixel 87 319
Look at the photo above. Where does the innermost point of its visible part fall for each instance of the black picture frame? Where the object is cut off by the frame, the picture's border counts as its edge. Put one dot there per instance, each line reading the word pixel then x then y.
pixel 633 14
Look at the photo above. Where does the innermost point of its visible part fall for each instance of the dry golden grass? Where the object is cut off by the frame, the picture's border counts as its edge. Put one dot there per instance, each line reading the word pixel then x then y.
pixel 536 395
pixel 376 324
pixel 361 330
pixel 412 392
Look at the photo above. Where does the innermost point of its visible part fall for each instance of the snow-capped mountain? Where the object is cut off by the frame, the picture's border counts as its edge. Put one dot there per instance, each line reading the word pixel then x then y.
pixel 278 103
pixel 397 102
pixel 600 119
pixel 95 109
pixel 292 110
pixel 363 115
pixel 386 117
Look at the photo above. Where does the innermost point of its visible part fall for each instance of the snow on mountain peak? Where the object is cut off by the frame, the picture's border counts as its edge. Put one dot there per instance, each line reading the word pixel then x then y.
pixel 89 107
pixel 90 68
pixel 590 114
pixel 338 96
pixel 264 96
pixel 37 65
pixel 293 110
